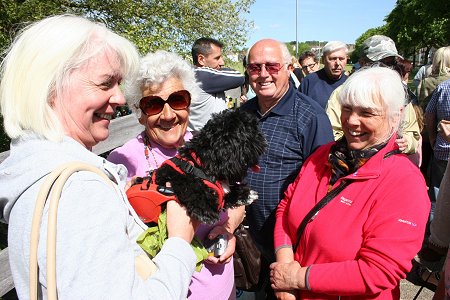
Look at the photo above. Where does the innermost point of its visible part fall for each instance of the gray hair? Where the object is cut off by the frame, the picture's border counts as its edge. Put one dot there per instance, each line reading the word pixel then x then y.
pixel 376 87
pixel 334 46
pixel 157 67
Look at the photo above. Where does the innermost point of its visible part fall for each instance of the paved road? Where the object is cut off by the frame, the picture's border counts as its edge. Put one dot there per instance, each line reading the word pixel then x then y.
pixel 408 291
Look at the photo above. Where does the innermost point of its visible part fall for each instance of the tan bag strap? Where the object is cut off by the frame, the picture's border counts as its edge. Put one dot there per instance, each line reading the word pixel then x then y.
pixel 54 182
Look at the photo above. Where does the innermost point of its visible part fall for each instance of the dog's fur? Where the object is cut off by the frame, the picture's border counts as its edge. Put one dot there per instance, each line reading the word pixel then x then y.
pixel 226 147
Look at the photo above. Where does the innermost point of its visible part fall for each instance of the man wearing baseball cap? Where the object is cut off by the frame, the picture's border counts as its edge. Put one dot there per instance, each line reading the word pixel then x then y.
pixel 381 49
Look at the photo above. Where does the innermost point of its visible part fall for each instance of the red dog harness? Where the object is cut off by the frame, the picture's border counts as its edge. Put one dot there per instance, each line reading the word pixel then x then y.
pixel 147 197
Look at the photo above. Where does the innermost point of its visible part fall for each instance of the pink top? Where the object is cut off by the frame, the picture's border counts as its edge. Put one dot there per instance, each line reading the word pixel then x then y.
pixel 214 281
pixel 362 242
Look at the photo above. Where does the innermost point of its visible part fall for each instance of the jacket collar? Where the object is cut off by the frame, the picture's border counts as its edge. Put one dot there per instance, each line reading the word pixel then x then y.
pixel 373 167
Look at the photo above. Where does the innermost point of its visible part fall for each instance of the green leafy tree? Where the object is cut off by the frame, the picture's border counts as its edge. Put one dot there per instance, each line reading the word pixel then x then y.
pixel 171 25
pixel 151 24
pixel 415 24
pixel 356 54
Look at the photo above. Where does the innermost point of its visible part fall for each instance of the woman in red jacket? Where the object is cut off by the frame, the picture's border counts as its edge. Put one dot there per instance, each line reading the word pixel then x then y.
pixel 361 243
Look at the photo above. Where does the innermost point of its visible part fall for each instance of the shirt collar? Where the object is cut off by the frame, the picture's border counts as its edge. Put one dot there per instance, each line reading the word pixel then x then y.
pixel 283 107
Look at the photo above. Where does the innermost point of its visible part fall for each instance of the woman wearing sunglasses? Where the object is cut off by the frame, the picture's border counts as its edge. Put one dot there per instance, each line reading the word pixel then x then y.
pixel 163 92
pixel 164 89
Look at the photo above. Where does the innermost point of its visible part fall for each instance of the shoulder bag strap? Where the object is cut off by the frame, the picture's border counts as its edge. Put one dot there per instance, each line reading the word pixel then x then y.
pixel 55 181
pixel 313 212
pixel 325 200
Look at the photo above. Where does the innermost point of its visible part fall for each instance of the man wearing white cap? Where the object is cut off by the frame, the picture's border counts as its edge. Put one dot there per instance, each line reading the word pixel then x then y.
pixel 381 49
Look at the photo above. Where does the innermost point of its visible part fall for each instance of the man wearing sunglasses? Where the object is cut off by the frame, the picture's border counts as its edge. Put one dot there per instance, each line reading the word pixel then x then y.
pixel 214 80
pixel 294 126
pixel 319 85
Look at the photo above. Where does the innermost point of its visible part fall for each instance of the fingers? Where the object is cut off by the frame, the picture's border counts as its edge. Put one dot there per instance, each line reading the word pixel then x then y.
pixel 231 244
pixel 402 144
pixel 217 230
pixel 179 224
pixel 231 247
pixel 130 183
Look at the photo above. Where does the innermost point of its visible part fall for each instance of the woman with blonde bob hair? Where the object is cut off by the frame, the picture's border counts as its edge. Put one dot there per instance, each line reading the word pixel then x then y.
pixel 440 72
pixel 60 85
pixel 354 218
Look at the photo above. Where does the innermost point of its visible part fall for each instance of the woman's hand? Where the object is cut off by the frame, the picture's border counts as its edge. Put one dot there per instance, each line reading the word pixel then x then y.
pixel 444 129
pixel 130 183
pixel 287 276
pixel 402 144
pixel 285 295
pixel 231 245
pixel 179 224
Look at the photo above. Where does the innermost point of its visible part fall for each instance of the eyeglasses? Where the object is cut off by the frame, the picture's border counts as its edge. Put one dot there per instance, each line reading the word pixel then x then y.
pixel 271 68
pixel 153 105
pixel 309 66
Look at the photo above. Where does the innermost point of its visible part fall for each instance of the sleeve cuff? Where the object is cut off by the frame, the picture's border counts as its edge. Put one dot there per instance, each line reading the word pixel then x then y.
pixel 282 246
pixel 307 278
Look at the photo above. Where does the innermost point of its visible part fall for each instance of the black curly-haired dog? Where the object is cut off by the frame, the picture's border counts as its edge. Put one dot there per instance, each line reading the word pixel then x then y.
pixel 216 158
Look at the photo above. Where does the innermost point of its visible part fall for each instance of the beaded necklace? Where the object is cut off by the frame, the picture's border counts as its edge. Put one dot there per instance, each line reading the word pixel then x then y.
pixel 148 149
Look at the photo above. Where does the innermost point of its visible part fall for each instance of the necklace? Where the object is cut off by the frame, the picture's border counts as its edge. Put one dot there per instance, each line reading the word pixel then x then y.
pixel 149 150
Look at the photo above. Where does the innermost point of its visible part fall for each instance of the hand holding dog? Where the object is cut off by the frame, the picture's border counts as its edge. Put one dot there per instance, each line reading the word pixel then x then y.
pixel 179 224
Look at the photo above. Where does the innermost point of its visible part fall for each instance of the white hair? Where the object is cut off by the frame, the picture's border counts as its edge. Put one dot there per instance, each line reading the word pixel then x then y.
pixel 334 46
pixel 376 88
pixel 39 64
pixel 157 67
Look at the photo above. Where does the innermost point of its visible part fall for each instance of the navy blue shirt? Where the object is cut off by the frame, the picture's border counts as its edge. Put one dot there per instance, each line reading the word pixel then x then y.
pixel 318 86
pixel 294 128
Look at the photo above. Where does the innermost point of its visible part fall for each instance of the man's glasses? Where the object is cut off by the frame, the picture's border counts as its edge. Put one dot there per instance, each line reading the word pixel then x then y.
pixel 271 68
pixel 153 105
pixel 305 67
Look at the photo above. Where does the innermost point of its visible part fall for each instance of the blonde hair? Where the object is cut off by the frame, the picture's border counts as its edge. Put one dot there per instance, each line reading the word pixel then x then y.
pixel 39 64
pixel 441 62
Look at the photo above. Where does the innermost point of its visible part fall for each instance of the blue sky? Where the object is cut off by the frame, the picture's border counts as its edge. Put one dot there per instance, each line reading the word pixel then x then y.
pixel 320 20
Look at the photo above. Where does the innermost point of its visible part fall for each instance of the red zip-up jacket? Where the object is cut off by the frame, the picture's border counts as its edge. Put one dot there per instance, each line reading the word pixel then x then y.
pixel 360 244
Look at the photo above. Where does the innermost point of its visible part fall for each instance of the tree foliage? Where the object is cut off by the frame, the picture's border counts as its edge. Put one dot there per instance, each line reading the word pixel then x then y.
pixel 171 25
pixel 356 54
pixel 415 24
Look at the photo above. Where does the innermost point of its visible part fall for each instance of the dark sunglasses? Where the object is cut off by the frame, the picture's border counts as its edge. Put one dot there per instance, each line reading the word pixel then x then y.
pixel 153 105
pixel 271 68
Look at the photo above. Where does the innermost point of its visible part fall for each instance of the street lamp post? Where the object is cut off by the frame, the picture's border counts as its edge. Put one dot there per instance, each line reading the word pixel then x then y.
pixel 296 29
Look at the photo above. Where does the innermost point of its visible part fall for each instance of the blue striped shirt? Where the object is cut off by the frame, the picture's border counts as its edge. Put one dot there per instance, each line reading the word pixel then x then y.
pixel 439 105
pixel 294 128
